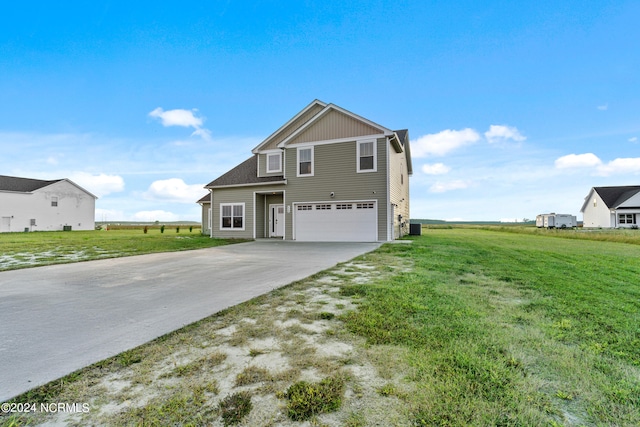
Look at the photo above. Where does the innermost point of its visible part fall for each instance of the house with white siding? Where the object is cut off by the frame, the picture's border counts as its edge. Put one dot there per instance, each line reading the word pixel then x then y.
pixel 35 205
pixel 612 207
pixel 327 174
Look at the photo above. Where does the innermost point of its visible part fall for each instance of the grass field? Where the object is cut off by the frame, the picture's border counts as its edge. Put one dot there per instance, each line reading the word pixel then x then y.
pixel 462 327
pixel 21 250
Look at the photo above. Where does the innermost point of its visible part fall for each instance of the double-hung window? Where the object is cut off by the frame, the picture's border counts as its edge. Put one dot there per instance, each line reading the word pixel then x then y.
pixel 274 162
pixel 305 161
pixel 232 216
pixel 366 154
pixel 627 218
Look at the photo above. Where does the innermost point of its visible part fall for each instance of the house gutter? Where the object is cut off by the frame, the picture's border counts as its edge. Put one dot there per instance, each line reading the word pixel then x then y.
pixel 248 185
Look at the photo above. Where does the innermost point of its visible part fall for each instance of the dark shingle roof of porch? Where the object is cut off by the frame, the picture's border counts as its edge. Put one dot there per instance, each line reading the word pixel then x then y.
pixel 243 174
pixel 205 199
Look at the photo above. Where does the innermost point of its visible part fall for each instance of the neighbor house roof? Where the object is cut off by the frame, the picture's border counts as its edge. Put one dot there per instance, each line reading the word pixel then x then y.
pixel 613 196
pixel 244 174
pixel 23 185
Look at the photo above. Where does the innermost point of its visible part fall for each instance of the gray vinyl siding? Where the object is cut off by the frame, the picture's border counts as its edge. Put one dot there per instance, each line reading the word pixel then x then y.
pixel 240 195
pixel 335 170
pixel 262 166
pixel 335 125
pixel 399 189
pixel 205 218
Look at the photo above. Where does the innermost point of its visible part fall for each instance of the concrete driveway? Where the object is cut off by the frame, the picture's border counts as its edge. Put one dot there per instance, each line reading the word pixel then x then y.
pixel 57 319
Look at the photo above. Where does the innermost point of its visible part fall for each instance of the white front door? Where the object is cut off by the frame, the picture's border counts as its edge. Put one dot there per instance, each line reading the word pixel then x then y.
pixel 276 223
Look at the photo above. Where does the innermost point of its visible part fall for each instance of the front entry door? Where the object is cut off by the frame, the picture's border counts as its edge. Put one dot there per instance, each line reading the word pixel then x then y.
pixel 276 228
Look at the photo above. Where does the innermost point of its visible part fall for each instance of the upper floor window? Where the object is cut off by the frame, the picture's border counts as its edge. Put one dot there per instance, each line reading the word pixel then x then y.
pixel 366 156
pixel 305 161
pixel 274 162
pixel 54 201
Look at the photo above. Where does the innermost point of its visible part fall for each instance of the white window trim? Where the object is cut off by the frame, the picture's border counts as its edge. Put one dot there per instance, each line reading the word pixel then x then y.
pixel 244 217
pixel 279 154
pixel 375 156
pixel 313 169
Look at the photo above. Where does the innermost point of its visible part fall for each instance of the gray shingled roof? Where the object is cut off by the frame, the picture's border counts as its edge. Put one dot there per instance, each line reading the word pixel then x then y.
pixel 205 199
pixel 244 173
pixel 22 185
pixel 615 196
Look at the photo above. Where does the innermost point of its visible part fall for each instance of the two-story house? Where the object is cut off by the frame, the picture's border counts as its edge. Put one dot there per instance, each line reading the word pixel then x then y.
pixel 35 205
pixel 326 175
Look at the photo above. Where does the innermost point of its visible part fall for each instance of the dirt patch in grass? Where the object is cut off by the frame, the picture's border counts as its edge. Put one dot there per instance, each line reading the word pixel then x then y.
pixel 261 363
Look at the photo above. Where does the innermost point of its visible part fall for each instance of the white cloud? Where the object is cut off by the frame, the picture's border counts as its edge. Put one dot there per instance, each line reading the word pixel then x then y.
pixel 184 118
pixel 629 165
pixel 442 143
pixel 177 117
pixel 603 107
pixel 577 161
pixel 174 190
pixel 633 139
pixel 157 215
pixel 442 187
pixel 99 185
pixel 435 169
pixel 500 133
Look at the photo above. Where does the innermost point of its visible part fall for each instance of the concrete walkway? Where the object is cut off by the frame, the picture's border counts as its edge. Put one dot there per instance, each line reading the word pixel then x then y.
pixel 57 319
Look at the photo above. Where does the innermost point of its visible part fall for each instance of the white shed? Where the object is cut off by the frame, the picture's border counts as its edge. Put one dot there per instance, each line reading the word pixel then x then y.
pixel 36 205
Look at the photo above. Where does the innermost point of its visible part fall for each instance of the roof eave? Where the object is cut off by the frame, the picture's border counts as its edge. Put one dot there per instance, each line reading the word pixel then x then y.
pixel 251 184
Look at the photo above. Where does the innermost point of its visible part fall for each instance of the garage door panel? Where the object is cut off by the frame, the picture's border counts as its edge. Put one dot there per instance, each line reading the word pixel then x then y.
pixel 357 223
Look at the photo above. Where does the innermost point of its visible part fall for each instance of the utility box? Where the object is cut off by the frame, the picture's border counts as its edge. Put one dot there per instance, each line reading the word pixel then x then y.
pixel 415 229
pixel 66 228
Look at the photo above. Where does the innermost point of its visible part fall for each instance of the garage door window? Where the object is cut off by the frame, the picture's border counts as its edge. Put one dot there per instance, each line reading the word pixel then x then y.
pixel 232 217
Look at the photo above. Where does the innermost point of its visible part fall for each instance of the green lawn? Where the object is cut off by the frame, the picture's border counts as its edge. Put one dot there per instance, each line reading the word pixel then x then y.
pixel 20 250
pixel 512 329
pixel 462 327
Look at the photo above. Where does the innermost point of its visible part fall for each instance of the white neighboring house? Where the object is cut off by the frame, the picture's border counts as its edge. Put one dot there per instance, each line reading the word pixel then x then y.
pixel 612 207
pixel 35 205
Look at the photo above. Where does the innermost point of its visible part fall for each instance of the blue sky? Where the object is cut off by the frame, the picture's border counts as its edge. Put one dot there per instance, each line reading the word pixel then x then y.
pixel 514 108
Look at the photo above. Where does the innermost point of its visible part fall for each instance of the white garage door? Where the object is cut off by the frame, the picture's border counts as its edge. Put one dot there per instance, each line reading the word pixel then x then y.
pixel 336 222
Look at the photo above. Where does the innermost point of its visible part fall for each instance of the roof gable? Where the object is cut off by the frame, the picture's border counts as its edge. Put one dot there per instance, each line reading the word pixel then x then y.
pixel 23 185
pixel 291 126
pixel 334 122
pixel 629 199
pixel 614 197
